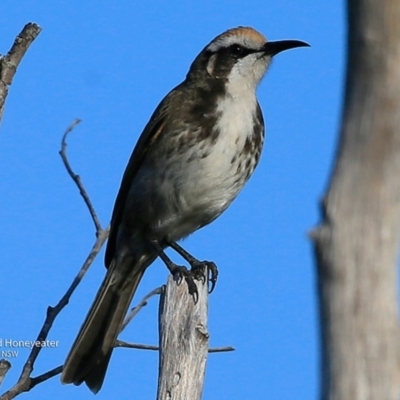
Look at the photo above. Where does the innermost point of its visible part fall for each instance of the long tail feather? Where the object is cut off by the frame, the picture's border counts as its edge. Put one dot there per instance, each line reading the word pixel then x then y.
pixel 90 354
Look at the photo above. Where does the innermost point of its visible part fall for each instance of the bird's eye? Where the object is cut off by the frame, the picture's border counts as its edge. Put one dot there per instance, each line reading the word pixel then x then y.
pixel 236 50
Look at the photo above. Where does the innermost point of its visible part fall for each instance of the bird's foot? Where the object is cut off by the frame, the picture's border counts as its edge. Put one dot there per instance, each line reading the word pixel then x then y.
pixel 205 270
pixel 202 270
pixel 180 272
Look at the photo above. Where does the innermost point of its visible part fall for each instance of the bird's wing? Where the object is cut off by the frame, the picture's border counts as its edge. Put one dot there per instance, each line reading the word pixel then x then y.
pixel 150 134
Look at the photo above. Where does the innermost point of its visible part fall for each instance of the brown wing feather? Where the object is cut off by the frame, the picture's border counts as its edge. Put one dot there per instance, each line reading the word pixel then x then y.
pixel 151 132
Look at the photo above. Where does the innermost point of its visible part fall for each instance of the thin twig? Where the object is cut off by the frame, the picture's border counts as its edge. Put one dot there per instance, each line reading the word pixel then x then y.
pixel 121 343
pixel 10 62
pixel 47 375
pixel 137 308
pixel 127 345
pixel 76 178
pixel 220 349
pixel 29 383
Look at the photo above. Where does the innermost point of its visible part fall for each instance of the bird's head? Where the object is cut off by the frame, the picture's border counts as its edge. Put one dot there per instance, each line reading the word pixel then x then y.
pixel 240 56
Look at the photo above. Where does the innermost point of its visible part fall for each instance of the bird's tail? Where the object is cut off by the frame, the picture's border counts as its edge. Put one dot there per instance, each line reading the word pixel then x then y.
pixel 90 354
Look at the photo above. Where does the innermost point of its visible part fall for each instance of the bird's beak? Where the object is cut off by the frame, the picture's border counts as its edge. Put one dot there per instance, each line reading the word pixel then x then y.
pixel 273 48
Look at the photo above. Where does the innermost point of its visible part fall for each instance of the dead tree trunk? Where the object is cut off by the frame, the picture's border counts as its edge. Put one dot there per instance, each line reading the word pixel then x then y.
pixel 357 243
pixel 183 342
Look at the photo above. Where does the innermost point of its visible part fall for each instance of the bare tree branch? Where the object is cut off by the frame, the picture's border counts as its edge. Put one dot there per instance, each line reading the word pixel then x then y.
pixel 25 382
pixel 76 178
pixel 223 349
pixel 30 383
pixel 9 63
pixel 5 366
pixel 121 343
pixel 142 304
pixel 44 377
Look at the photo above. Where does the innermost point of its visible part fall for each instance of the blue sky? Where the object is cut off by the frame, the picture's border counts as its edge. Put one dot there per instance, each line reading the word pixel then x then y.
pixel 110 65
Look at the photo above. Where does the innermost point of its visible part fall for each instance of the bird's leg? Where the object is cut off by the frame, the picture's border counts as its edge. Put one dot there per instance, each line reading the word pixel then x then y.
pixel 198 267
pixel 178 271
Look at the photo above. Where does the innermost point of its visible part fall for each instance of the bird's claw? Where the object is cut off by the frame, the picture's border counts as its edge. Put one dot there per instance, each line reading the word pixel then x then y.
pixel 212 272
pixel 181 273
pixel 201 271
pixel 205 270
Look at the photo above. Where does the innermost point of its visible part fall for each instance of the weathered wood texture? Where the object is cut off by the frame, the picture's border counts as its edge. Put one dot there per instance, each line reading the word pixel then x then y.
pixel 183 342
pixel 9 63
pixel 357 242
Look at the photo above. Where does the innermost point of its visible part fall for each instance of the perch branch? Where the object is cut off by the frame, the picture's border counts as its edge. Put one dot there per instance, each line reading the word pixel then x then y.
pixel 183 341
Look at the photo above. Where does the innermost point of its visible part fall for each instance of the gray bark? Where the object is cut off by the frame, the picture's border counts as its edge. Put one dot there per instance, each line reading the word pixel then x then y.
pixel 183 342
pixel 357 243
pixel 5 365
pixel 9 63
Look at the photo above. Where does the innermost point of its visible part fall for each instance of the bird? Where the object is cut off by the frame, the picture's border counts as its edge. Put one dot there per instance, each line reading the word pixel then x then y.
pixel 197 151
